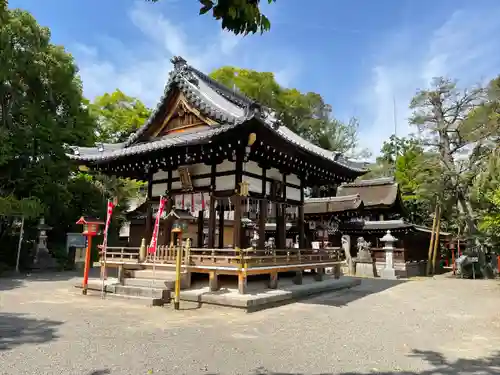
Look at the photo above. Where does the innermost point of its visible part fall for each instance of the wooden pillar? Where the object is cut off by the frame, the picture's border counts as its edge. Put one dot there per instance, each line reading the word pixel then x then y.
pixel 273 280
pixel 277 219
pixel 282 232
pixel 170 205
pixel 213 282
pixel 200 222
pixel 263 212
pixel 221 226
pixel 211 222
pixel 238 177
pixel 149 209
pixel 211 210
pixel 301 222
pixel 237 222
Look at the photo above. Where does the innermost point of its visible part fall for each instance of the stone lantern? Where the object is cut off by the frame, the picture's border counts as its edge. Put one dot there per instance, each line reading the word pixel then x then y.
pixel 389 272
pixel 43 259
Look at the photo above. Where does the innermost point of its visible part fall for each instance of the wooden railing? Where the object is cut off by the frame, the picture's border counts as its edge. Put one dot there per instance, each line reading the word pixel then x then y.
pixel 122 254
pixel 244 258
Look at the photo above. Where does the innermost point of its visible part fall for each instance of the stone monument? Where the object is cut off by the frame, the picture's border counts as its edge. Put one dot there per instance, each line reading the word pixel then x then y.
pixel 346 246
pixel 364 262
pixel 43 259
pixel 389 272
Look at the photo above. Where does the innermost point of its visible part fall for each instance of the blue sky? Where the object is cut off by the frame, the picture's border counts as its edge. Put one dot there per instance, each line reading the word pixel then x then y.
pixel 358 54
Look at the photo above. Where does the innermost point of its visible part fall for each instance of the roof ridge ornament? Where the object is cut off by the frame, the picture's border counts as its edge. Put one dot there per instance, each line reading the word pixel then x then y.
pixel 179 62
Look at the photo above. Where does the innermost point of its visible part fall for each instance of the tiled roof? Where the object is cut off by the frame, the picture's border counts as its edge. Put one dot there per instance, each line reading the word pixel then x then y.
pixel 219 103
pixel 332 204
pixel 378 192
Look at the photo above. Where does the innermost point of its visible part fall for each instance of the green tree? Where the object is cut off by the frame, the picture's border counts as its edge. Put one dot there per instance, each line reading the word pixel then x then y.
pixel 305 113
pixel 440 113
pixel 238 16
pixel 40 111
pixel 117 116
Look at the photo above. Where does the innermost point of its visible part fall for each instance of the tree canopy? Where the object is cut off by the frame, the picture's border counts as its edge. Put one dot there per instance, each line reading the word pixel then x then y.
pixel 238 16
pixel 307 114
pixel 117 116
pixel 40 111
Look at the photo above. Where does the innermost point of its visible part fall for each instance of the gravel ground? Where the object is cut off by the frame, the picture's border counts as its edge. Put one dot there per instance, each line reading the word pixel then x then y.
pixel 416 327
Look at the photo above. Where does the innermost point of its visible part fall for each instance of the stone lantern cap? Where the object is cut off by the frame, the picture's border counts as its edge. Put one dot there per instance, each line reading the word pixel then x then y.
pixel 388 238
pixel 42 226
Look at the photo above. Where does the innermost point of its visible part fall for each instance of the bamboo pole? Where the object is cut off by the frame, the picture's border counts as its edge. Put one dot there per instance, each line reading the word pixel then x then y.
pixel 436 241
pixel 431 244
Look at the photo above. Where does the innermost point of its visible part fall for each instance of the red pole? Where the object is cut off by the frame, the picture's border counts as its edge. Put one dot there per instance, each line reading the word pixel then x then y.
pixel 87 265
pixel 453 259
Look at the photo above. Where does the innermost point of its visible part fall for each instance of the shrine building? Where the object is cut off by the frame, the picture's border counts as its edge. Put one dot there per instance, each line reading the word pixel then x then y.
pixel 232 168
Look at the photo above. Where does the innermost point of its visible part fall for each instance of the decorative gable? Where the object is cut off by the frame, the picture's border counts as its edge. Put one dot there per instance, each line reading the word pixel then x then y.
pixel 181 117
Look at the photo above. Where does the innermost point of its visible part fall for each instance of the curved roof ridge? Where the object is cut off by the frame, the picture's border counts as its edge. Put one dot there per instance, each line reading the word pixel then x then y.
pixel 371 182
pixel 343 198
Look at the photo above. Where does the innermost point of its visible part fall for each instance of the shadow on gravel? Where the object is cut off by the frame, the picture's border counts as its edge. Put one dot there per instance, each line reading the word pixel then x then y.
pixel 12 281
pixel 17 329
pixel 8 283
pixel 345 296
pixel 439 366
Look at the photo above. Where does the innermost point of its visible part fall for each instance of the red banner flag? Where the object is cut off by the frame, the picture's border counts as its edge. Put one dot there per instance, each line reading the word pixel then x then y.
pixel 109 213
pixel 154 237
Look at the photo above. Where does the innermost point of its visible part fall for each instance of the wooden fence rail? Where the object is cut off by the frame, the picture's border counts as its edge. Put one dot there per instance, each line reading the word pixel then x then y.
pixel 243 258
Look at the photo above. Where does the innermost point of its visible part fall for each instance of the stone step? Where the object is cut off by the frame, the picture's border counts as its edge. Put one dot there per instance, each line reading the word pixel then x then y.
pixel 149 274
pixel 143 292
pixel 155 283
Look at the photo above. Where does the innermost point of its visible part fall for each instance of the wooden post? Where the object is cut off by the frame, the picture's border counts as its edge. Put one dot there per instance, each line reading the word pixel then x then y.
pixel 211 223
pixel 87 266
pixel 273 280
pixel 213 282
pixel 200 225
pixel 142 251
pixel 282 233
pixel 431 243
pixel 221 226
pixel 277 219
pixel 436 241
pixel 452 248
pixel 178 277
pixel 211 212
pixel 301 222
pixel 263 212
pixel 237 222
pixel 149 209
pixel 169 220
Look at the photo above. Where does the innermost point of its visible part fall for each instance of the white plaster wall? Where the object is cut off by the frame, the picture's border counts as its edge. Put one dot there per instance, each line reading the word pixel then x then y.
pixel 293 193
pixel 159 189
pixel 224 183
pixel 254 184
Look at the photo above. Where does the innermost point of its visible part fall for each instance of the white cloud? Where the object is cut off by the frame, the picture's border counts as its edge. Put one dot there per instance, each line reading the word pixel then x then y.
pixel 464 47
pixel 141 69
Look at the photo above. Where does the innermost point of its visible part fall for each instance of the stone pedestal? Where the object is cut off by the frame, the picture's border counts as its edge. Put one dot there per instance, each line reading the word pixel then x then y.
pixel 365 268
pixel 389 272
